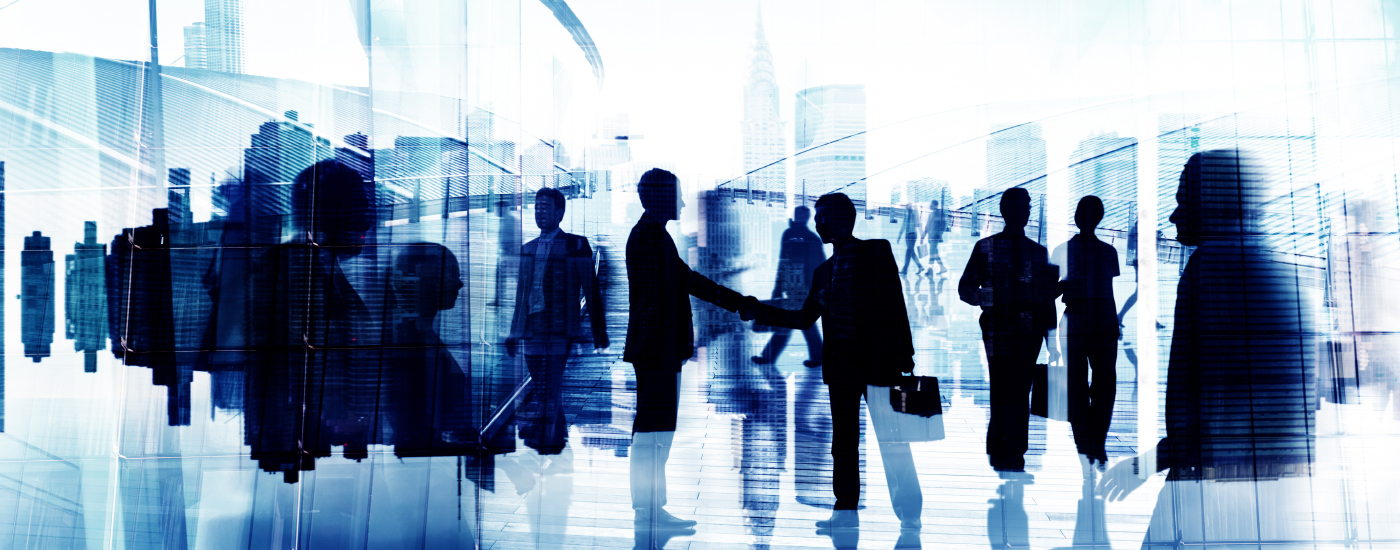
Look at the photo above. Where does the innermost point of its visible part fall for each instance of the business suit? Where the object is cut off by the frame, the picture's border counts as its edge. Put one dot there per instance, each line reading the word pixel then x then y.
pixel 858 295
pixel 547 331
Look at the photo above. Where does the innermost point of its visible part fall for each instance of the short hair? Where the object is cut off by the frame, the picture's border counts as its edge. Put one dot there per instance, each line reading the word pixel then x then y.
pixel 554 196
pixel 1091 207
pixel 330 196
pixel 1224 192
pixel 656 187
pixel 837 204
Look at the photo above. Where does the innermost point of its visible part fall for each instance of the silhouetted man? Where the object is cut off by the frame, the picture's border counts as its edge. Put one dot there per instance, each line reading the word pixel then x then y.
pixel 1008 277
pixel 798 258
pixel 1241 392
pixel 909 232
pixel 933 233
pixel 1092 331
pixel 556 270
pixel 429 407
pixel 860 300
pixel 660 338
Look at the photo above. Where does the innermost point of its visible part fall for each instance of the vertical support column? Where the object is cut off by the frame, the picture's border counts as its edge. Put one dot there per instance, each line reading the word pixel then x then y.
pixel 1147 292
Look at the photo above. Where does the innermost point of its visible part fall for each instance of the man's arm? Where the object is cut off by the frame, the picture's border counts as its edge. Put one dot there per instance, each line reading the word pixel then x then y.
pixel 703 288
pixel 593 294
pixel 971 282
pixel 801 319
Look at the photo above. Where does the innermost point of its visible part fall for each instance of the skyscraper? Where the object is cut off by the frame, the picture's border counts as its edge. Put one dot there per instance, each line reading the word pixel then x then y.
pixel 1015 157
pixel 223 35
pixel 195 54
pixel 36 297
pixel 85 297
pixel 1105 165
pixel 831 117
pixel 763 132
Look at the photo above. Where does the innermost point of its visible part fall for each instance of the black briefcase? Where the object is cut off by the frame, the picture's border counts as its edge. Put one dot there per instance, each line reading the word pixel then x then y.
pixel 916 395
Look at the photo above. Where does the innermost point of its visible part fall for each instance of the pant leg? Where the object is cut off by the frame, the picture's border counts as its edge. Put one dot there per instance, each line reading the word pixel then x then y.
pixel 776 344
pixel 658 398
pixel 911 254
pixel 651 450
pixel 1010 362
pixel 814 342
pixel 845 444
pixel 1103 358
pixel 556 426
pixel 1080 418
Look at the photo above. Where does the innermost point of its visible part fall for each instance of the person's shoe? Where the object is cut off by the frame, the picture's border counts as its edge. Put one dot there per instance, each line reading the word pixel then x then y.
pixel 911 524
pixel 662 520
pixel 811 363
pixel 840 519
pixel 760 360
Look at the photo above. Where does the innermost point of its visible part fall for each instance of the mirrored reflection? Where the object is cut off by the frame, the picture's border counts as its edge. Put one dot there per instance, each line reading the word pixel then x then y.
pixel 503 274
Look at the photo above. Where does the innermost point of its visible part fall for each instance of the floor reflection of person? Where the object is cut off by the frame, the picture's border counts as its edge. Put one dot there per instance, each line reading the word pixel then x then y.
pixel 556 274
pixel 800 254
pixel 660 338
pixel 859 297
pixel 1092 331
pixel 1009 277
pixel 1241 395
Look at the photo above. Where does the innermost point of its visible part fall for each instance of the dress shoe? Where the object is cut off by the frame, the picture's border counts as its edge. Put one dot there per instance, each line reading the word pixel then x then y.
pixel 662 520
pixel 840 519
pixel 811 363
pixel 760 360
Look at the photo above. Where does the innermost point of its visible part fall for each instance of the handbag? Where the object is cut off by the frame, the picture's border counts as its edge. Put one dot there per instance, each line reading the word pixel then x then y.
pixel 916 395
pixel 892 426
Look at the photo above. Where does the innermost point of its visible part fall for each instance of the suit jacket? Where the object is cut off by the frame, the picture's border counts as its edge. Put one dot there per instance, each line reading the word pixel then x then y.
pixel 659 330
pixel 883 347
pixel 568 276
pixel 1014 272
pixel 798 258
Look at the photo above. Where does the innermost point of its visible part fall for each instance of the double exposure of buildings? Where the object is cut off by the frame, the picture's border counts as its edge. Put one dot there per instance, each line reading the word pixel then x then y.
pixel 36 297
pixel 85 297
pixel 831 118
pixel 765 148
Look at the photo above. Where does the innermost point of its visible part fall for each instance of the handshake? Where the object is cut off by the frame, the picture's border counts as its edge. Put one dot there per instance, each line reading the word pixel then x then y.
pixel 748 308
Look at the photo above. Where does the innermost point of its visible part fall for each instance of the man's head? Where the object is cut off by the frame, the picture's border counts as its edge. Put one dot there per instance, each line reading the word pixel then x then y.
pixel 1217 197
pixel 1016 207
pixel 836 217
pixel 1089 213
pixel 933 205
pixel 659 194
pixel 801 215
pixel 333 206
pixel 549 209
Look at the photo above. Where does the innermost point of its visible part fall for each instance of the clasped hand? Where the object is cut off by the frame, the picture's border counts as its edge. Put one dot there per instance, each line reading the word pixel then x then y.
pixel 748 308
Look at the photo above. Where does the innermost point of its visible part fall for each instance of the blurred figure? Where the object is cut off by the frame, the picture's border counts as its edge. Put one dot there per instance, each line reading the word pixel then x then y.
pixel 798 258
pixel 660 338
pixel 556 272
pixel 933 234
pixel 909 233
pixel 860 299
pixel 1009 277
pixel 1092 335
pixel 309 328
pixel 508 236
pixel 1241 394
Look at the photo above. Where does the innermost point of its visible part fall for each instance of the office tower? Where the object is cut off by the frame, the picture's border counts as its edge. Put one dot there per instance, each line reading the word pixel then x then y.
pixel 277 153
pixel 420 173
pixel 223 35
pixel 614 147
pixel 1015 157
pixel 763 132
pixel 85 297
pixel 1105 165
pixel 36 296
pixel 196 56
pixel 829 118
pixel 2 301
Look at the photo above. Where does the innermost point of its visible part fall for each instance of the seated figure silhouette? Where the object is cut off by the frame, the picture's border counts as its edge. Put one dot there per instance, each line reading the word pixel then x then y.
pixel 1092 331
pixel 1009 277
pixel 859 297
pixel 1241 393
pixel 556 271
pixel 313 383
pixel 660 338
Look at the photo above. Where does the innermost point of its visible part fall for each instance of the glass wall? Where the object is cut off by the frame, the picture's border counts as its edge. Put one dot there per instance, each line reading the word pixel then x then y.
pixel 279 273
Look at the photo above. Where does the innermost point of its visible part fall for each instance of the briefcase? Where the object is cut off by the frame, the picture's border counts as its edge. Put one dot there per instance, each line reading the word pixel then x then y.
pixel 916 395
pixel 894 426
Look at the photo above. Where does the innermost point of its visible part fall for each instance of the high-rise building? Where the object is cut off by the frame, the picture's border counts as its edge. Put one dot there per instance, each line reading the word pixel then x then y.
pixel 36 297
pixel 277 153
pixel 223 35
pixel 1105 165
pixel 832 119
pixel 85 297
pixel 1015 158
pixel 763 131
pixel 196 57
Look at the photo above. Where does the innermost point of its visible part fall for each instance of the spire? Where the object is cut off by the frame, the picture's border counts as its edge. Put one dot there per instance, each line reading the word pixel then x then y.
pixel 758 31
